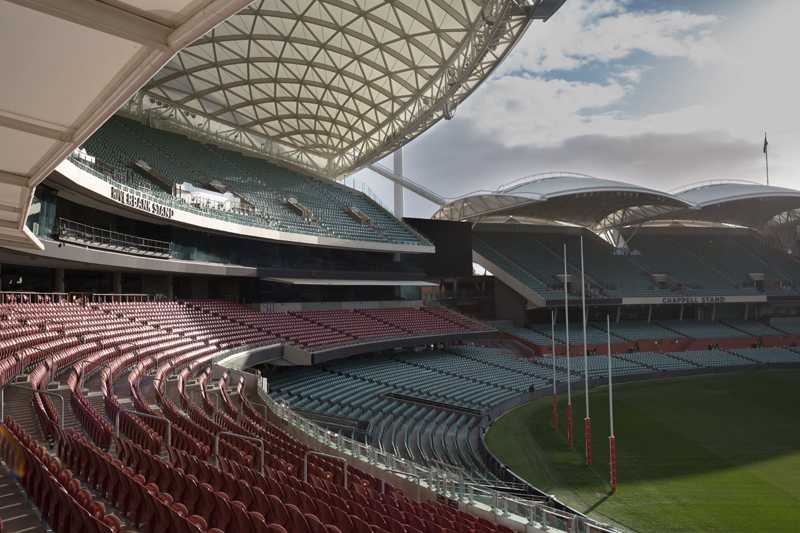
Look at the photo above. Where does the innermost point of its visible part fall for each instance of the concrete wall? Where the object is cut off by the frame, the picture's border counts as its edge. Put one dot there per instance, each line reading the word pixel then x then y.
pixel 509 304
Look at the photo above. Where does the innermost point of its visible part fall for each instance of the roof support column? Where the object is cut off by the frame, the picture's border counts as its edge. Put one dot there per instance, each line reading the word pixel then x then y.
pixel 398 186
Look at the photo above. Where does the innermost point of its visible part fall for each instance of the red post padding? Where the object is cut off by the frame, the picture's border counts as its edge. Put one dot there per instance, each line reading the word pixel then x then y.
pixel 555 413
pixel 587 439
pixel 570 432
pixel 612 462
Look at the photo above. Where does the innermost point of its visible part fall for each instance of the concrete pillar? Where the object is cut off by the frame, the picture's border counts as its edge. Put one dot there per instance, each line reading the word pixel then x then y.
pixel 58 280
pixel 170 287
pixel 398 187
pixel 117 283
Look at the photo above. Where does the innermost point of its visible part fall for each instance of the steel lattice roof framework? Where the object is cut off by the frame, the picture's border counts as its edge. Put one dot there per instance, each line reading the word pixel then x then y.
pixel 332 85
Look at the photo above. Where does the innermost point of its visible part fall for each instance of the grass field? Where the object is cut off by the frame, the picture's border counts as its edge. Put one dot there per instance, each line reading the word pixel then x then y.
pixel 702 453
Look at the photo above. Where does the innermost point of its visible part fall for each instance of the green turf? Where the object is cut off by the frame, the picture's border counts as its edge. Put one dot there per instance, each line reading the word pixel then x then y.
pixel 703 453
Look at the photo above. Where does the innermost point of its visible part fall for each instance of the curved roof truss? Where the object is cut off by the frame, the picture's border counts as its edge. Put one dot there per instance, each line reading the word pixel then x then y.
pixel 564 196
pixel 332 85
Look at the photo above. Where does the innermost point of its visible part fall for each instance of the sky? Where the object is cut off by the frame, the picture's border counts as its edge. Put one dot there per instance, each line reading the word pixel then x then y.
pixel 658 93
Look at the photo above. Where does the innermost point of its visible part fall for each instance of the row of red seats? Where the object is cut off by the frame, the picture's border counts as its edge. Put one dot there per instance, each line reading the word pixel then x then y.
pixel 63 504
pixel 97 427
pixel 143 504
pixel 440 514
pixel 314 329
pixel 218 508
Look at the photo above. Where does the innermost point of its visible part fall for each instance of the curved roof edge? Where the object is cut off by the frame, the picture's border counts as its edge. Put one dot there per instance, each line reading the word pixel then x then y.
pixel 538 189
pixel 708 193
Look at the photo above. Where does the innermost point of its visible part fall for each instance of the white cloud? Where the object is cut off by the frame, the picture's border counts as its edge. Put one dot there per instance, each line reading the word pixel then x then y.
pixel 704 121
pixel 587 31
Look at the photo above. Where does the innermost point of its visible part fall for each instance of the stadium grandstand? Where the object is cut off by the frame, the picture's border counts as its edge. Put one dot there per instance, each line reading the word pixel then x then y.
pixel 203 328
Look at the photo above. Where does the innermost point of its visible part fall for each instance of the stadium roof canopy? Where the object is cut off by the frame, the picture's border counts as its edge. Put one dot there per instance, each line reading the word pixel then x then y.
pixel 744 203
pixel 563 196
pixel 332 85
pixel 69 65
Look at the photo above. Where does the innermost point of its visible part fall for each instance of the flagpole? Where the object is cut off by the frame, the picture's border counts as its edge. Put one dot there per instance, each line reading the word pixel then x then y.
pixel 612 439
pixel 587 422
pixel 570 432
pixel 555 390
pixel 766 155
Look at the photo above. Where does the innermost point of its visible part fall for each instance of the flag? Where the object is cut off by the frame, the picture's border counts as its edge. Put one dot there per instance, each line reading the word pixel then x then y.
pixel 765 143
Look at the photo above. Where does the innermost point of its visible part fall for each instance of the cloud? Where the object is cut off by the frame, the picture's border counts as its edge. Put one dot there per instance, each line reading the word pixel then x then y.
pixel 459 160
pixel 643 119
pixel 587 31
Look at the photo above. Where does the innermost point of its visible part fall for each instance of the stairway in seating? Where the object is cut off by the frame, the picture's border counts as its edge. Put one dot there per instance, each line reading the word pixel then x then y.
pixel 741 356
pixel 18 514
pixel 18 406
pixel 639 363
pixel 679 358
pixel 680 334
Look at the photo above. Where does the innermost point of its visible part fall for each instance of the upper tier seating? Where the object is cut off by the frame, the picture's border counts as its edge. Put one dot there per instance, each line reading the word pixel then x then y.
pixel 267 187
pixel 536 259
pixel 701 262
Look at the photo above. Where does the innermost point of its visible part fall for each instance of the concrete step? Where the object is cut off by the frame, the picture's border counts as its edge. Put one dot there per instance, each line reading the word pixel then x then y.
pixel 19 515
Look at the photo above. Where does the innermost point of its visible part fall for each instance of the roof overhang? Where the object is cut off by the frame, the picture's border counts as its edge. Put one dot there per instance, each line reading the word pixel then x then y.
pixel 69 66
pixel 742 203
pixel 331 85
pixel 353 282
pixel 566 197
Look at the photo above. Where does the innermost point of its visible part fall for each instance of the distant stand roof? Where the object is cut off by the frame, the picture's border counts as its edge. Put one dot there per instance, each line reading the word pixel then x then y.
pixel 735 202
pixel 603 204
pixel 561 196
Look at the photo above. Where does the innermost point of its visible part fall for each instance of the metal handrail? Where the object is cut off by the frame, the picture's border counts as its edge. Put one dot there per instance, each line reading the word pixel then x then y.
pixel 323 454
pixel 498 500
pixel 32 391
pixel 147 415
pixel 101 236
pixel 260 443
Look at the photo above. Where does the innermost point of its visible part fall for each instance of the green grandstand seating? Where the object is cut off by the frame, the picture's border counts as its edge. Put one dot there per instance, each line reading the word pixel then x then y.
pixel 266 186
